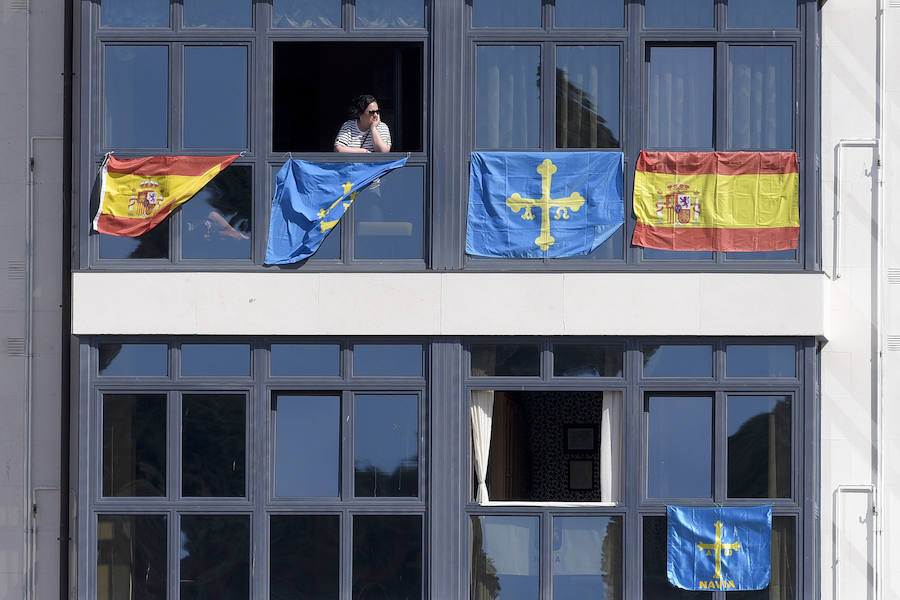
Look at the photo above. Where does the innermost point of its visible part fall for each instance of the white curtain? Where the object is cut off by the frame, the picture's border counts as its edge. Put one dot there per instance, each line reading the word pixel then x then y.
pixel 610 446
pixel 481 412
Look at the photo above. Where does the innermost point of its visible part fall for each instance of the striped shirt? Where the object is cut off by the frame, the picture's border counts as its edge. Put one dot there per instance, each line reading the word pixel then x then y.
pixel 351 136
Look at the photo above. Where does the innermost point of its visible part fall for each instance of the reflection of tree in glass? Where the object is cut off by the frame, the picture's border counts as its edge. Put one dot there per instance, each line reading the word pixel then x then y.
pixel 387 557
pixel 214 439
pixel 228 194
pixel 759 454
pixel 485 584
pixel 578 124
pixel 215 557
pixel 108 353
pixel 374 482
pixel 131 557
pixel 611 561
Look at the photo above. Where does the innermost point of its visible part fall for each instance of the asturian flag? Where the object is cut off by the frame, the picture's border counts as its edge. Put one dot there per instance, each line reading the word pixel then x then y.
pixel 719 548
pixel 543 204
pixel 310 198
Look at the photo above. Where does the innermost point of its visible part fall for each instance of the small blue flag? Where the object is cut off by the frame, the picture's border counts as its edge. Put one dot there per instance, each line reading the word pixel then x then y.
pixel 719 548
pixel 310 198
pixel 543 204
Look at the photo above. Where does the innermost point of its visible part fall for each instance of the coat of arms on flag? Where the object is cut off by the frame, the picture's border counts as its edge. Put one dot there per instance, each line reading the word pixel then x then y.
pixel 719 548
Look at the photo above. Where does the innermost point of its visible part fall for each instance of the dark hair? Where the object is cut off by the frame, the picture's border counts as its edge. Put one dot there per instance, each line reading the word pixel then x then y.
pixel 358 105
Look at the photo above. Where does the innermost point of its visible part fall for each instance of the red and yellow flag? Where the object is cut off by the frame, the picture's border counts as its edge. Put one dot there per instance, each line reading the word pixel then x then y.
pixel 136 194
pixel 720 201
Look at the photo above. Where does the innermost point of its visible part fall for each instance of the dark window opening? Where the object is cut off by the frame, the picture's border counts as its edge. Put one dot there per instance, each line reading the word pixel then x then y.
pixel 313 84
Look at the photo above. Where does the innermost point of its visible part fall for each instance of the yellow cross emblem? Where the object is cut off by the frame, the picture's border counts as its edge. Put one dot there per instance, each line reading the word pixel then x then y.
pixel 719 548
pixel 545 203
pixel 326 225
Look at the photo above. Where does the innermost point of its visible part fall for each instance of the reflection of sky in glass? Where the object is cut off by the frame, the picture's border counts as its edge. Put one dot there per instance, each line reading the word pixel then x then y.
pixel 677 361
pixel 760 361
pixel 761 98
pixel 510 544
pixel 390 13
pixel 583 566
pixel 508 96
pixel 387 359
pixel 592 75
pixel 388 216
pixel 306 359
pixel 386 432
pixel 774 255
pixel 217 13
pixel 307 445
pixel 215 97
pixel 136 91
pixel 506 13
pixel 147 360
pixel 134 13
pixel 681 97
pixel 215 359
pixel 679 447
pixel 306 13
pixel 590 13
pixel 762 13
pixel 679 13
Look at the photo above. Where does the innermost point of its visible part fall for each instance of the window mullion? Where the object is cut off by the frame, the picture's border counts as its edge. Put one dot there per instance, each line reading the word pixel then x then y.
pixel 720 447
pixel 545 560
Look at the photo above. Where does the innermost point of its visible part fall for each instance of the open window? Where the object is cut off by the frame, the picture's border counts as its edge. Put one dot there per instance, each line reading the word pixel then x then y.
pixel 546 446
pixel 313 83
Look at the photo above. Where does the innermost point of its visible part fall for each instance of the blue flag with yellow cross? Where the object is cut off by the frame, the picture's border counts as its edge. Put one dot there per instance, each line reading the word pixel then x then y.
pixel 310 198
pixel 543 204
pixel 719 548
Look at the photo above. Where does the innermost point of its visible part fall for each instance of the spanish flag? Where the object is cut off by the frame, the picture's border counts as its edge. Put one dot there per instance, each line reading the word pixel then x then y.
pixel 136 194
pixel 719 201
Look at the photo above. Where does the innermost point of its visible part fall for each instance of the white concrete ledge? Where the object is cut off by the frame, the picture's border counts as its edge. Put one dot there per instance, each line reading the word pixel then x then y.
pixel 449 304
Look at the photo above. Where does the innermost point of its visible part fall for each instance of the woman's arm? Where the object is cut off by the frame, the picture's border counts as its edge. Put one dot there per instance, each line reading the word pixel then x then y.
pixel 377 143
pixel 339 148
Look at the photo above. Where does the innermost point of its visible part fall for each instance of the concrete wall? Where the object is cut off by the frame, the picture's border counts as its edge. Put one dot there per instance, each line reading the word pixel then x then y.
pixel 31 65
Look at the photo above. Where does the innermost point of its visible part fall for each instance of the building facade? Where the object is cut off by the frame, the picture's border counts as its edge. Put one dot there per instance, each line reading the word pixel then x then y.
pixel 394 418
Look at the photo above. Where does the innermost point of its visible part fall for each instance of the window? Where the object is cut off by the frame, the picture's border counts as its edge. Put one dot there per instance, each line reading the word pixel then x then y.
pixel 263 452
pixel 560 460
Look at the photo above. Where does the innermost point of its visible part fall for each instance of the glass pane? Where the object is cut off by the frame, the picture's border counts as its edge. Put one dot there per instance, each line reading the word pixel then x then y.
pixel 387 359
pixel 387 557
pixel 590 13
pixel 386 445
pixel 762 13
pixel 213 431
pixel 506 13
pixel 508 96
pixel 655 582
pixel 388 214
pixel 131 557
pixel 613 247
pixel 505 360
pixel 677 360
pixel 679 13
pixel 216 223
pixel 773 255
pixel 215 97
pixel 761 97
pixel 218 13
pixel 135 94
pixel 587 360
pixel 504 558
pixel 759 446
pixel 681 97
pixel 392 13
pixel 134 13
pixel 134 445
pixel 215 557
pixel 587 97
pixel 153 244
pixel 149 360
pixel 215 360
pixel 587 558
pixel 655 254
pixel 782 581
pixel 306 13
pixel 307 445
pixel 760 360
pixel 305 557
pixel 677 469
pixel 548 446
pixel 306 359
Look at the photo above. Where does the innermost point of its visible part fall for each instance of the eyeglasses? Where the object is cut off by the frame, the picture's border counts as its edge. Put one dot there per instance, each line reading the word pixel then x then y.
pixel 374 112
